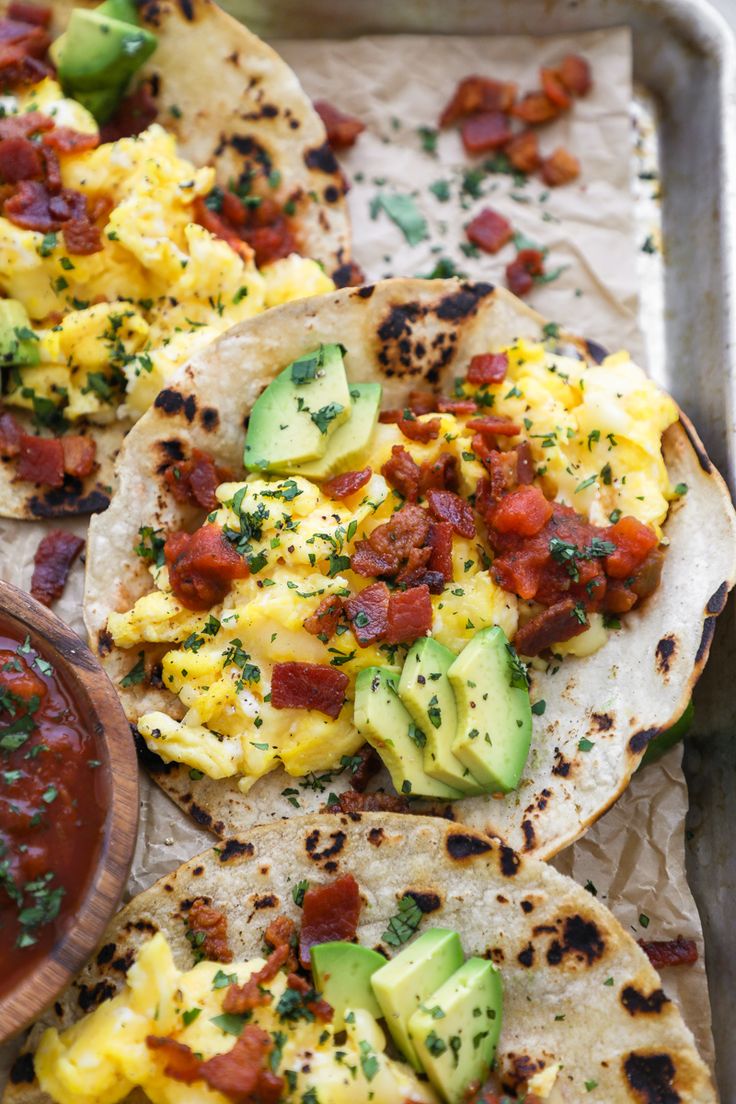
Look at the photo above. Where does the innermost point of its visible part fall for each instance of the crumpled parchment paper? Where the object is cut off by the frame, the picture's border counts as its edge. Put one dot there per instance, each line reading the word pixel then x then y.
pixel 634 857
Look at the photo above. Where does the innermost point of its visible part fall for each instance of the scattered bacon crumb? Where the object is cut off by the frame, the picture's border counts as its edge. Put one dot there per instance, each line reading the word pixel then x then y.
pixel 342 130
pixel 325 619
pixel 212 922
pixel 523 151
pixel 670 952
pixel 560 168
pixel 474 94
pixel 347 484
pixel 195 480
pixel 488 368
pixel 409 615
pixel 446 506
pixel 459 407
pixel 403 473
pixel 65 139
pixel 489 230
pixel 182 1063
pixel 280 932
pixel 252 993
pixel 494 425
pixel 521 271
pixel 395 546
pixel 52 563
pixel 367 613
pixel 423 402
pixel 79 455
pixel 556 623
pixel 574 72
pixel 23 12
pixel 440 539
pixel 133 115
pixel 535 108
pixel 442 473
pixel 41 460
pixel 319 1008
pixel 369 766
pixel 202 565
pixel 329 912
pixel 309 686
pixel 11 433
pixel 487 131
pixel 554 89
pixel 241 1074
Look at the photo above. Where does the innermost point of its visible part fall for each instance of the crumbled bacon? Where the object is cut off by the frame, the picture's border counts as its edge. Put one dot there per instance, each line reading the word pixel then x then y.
pixel 351 801
pixel 280 932
pixel 211 923
pixel 450 507
pixel 523 151
pixel 347 484
pixel 81 237
pixel 442 473
pixel 475 94
pixel 11 433
pixel 342 130
pixel 411 427
pixel 253 992
pixel 325 619
pixel 308 686
pixel 670 952
pixel 133 115
pixel 423 402
pixel 23 126
pixel 521 271
pixel 461 408
pixel 403 473
pixel 182 1064
pixel 389 546
pixel 23 12
pixel 633 542
pixel 367 613
pixel 574 72
pixel 23 44
pixel 488 368
pixel 560 168
pixel 220 228
pixel 52 563
pixel 64 139
pixel 319 1008
pixel 79 455
pixel 195 480
pixel 494 425
pixel 369 766
pixel 329 912
pixel 489 230
pixel 551 626
pixel 524 463
pixel 19 160
pixel 41 460
pixel 554 89
pixel 409 615
pixel 489 130
pixel 440 561
pixel 36 206
pixel 202 565
pixel 535 108
pixel 241 1074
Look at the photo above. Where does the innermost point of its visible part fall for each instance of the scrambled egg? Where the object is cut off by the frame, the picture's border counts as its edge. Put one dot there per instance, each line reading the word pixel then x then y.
pixel 104 1056
pixel 595 434
pixel 114 325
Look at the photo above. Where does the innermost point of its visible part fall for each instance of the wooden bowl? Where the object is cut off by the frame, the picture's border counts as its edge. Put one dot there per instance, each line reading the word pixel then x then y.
pixel 98 704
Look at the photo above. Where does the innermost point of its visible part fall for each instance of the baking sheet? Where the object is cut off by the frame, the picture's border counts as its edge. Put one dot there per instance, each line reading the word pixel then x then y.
pixel 633 857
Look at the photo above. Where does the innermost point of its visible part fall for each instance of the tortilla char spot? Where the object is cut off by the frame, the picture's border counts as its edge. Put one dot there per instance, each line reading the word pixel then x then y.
pixel 562 765
pixel 187 10
pixel 294 124
pixel 331 194
pixel 375 836
pixel 529 835
pixel 124 962
pixel 171 450
pixel 58 1009
pixel 718 599
pixel 313 840
pixel 367 291
pixel 104 642
pixel 23 1071
pixel 233 848
pixel 664 652
pixel 510 861
pixel 601 721
pixel 497 955
pixel 580 939
pixel 637 1003
pixel 247 147
pixel 153 763
pixel 169 887
pixel 519 1069
pixel 90 996
pixel 650 1077
pixel 640 739
pixel 209 418
pixel 68 500
pixel 343 273
pixel 267 900
pixel 596 352
pixel 426 900
pixel 105 954
pixel 200 815
pixel 321 158
pixel 527 906
pixel 461 845
pixel 709 627
pixel 399 321
pixel 462 303
pixel 526 957
pixel 501 899
pixel 198 871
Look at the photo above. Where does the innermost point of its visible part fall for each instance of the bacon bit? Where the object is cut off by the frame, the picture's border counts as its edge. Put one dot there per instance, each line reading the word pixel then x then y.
pixel 524 463
pixel 423 402
pixel 22 46
pixel 442 473
pixel 342 130
pixel 325 619
pixel 494 425
pixel 489 230
pixel 329 912
pixel 19 160
pixel 367 613
pixel 525 511
pixel 64 139
pixel 81 237
pixel 194 481
pixel 308 686
pixel 79 455
pixel 553 625
pixel 182 1063
pixel 29 208
pixel 391 545
pixel 203 919
pixel 52 563
pixel 554 89
pixel 574 72
pixel 370 765
pixel 23 126
pixel 503 470
pixel 461 408
pixel 347 484
pixel 523 151
pixel 23 12
pixel 409 615
pixel 670 952
pixel 474 94
pixel 560 168
pixel 487 131
pixel 634 541
pixel 134 114
pixel 520 272
pixel 11 433
pixel 351 801
pixel 280 932
pixel 41 460
pixel 52 170
pixel 243 1073
pixel 415 430
pixel 319 1008
pixel 403 473
pixel 450 507
pixel 440 540
pixel 535 108
pixel 488 368
pixel 252 993
pixel 217 226
pixel 201 566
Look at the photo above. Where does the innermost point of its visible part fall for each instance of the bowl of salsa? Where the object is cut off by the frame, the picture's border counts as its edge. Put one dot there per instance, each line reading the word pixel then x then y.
pixel 68 806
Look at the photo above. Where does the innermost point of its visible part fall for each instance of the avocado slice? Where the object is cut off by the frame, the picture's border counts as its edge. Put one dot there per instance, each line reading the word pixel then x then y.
pixel 18 343
pixel 383 721
pixel 293 420
pixel 455 1030
pixel 408 979
pixel 98 51
pixel 662 743
pixel 494 716
pixel 425 690
pixel 342 974
pixel 348 445
pixel 124 10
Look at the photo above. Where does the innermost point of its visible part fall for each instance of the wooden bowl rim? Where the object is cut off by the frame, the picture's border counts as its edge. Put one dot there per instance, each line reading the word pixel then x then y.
pixel 96 699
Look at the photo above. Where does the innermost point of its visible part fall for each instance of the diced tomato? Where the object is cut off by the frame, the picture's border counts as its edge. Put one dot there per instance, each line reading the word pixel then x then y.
pixel 271 243
pixel 574 72
pixel 202 565
pixel 309 686
pixel 347 484
pixel 488 368
pixel 79 455
pixel 487 131
pixel 450 507
pixel 523 151
pixel 325 619
pixel 330 913
pixel 560 168
pixel 41 460
pixel 342 130
pixel 402 472
pixel 521 271
pixel 440 539
pixel 474 94
pixel 19 160
pixel 52 563
pixel 525 511
pixel 554 89
pixel 494 425
pixel 367 613
pixel 409 615
pixel 11 433
pixel 489 230
pixel 634 541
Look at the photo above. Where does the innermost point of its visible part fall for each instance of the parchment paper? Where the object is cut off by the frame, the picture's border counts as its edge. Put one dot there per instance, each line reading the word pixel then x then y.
pixel 634 857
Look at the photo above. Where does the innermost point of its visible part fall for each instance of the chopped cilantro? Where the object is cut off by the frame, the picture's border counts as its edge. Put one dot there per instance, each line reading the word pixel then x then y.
pixel 402 926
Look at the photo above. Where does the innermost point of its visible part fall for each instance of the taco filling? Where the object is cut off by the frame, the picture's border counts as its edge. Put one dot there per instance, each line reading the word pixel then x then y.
pixel 377 573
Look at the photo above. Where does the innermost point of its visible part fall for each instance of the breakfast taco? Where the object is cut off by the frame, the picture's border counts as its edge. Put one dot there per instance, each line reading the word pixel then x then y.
pixel 369 958
pixel 143 211
pixel 407 544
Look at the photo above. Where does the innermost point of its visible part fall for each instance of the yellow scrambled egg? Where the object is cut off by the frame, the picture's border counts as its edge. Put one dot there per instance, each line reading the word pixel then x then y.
pixel 104 1056
pixel 595 434
pixel 168 285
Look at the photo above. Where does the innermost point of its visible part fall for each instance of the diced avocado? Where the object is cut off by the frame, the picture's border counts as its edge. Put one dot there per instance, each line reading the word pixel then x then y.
pixel 18 343
pixel 348 445
pixel 383 721
pixel 408 979
pixel 342 974
pixel 98 51
pixel 294 419
pixel 494 717
pixel 667 739
pixel 455 1030
pixel 425 690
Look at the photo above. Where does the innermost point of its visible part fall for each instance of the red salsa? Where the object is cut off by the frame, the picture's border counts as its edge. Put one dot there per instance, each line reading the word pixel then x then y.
pixel 52 806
